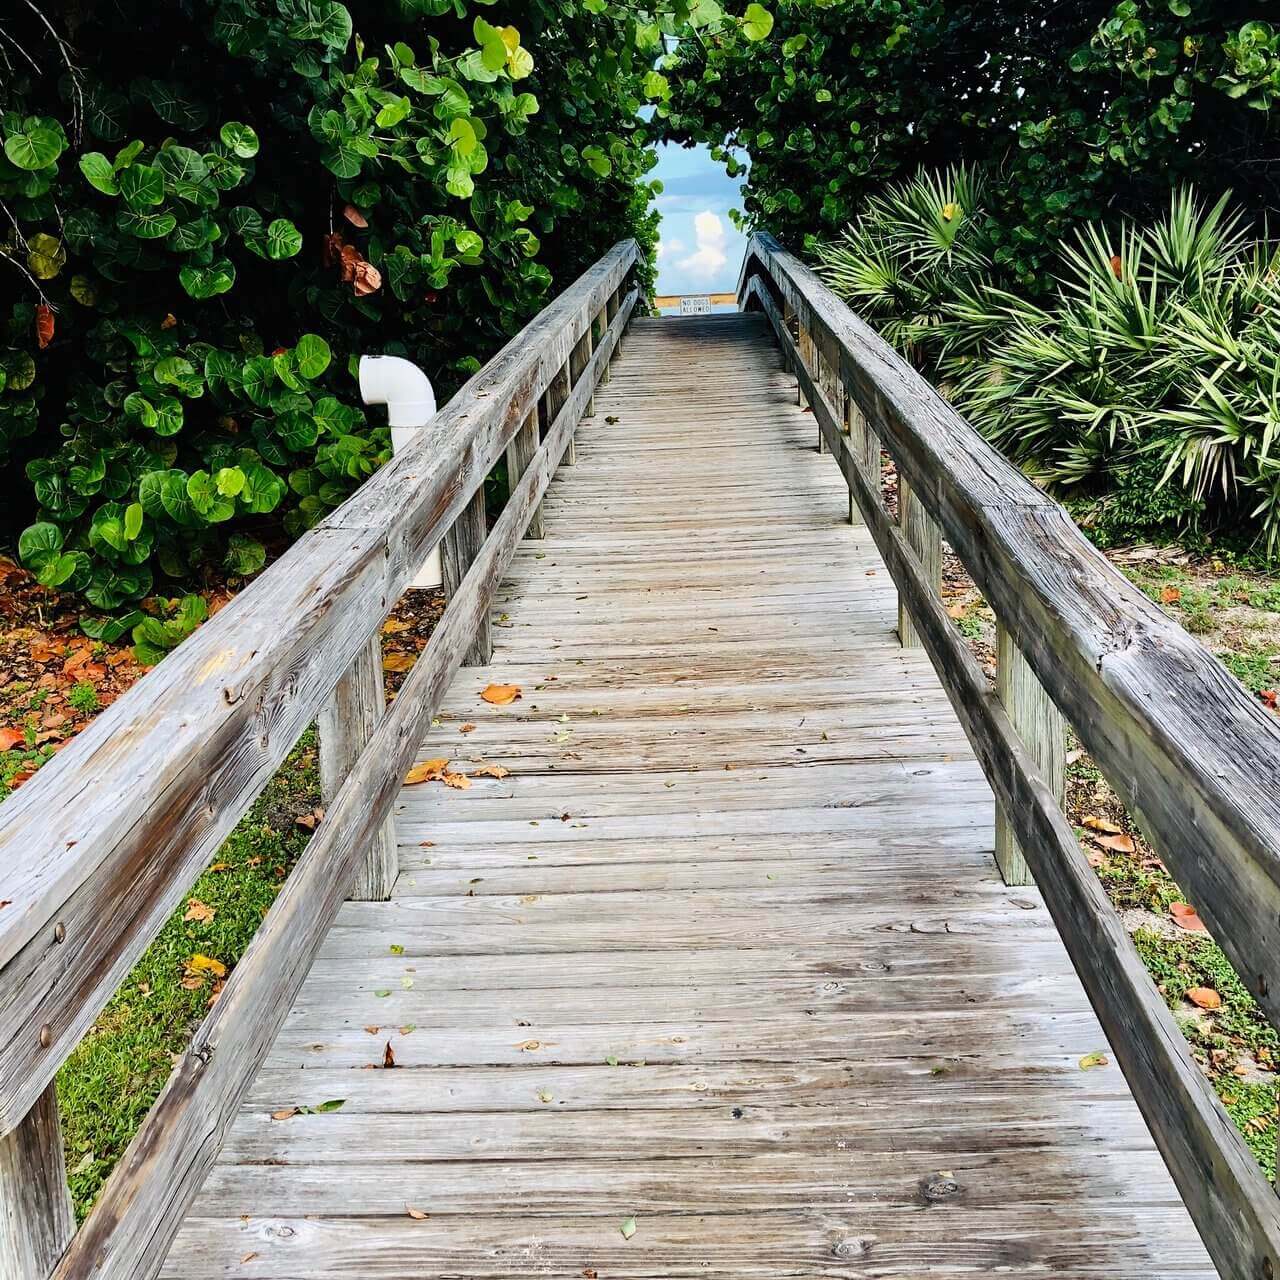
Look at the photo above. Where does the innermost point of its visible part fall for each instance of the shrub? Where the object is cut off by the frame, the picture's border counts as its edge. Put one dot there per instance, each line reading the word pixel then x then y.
pixel 1084 110
pixel 1150 377
pixel 205 247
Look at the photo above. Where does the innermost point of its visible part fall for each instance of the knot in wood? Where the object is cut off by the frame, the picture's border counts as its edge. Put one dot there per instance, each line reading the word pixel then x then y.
pixel 851 1247
pixel 937 1187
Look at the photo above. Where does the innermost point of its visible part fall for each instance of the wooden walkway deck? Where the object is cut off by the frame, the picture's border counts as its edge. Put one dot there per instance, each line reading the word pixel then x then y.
pixel 725 953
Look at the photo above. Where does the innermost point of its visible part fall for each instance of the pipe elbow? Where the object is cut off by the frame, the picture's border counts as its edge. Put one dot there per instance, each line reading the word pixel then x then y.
pixel 401 386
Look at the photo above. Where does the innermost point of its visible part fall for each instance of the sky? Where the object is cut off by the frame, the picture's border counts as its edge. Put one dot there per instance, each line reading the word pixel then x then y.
pixel 699 250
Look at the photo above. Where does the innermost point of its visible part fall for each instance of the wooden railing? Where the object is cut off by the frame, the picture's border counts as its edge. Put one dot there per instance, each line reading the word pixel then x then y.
pixel 1187 749
pixel 99 847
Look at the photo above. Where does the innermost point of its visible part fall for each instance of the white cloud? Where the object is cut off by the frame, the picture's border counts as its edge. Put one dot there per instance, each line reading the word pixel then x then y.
pixel 709 256
pixel 668 247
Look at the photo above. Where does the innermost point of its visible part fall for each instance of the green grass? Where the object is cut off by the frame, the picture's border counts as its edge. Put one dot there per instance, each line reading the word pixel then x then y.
pixel 106 1086
pixel 1218 1039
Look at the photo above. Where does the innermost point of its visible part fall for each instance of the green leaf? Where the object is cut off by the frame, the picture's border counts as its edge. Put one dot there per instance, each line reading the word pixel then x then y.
pixel 35 143
pixel 107 528
pixel 208 282
pixel 312 355
pixel 757 22
pixel 146 226
pixel 46 255
pixel 245 555
pixel 99 172
pixel 463 135
pixel 322 20
pixel 239 139
pixel 283 239
pixel 141 410
pixel 142 185
pixel 39 541
pixel 230 480
pixel 392 113
pixel 206 498
pixel 133 520
pixel 111 585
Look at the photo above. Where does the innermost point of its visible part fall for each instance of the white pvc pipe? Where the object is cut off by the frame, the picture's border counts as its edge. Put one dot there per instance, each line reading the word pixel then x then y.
pixel 411 404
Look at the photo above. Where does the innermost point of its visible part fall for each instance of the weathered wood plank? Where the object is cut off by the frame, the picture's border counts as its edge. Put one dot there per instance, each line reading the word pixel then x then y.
pixel 459 550
pixel 1043 731
pixel 1202 763
pixel 143 1203
pixel 104 841
pixel 907 1242
pixel 1230 1200
pixel 36 1219
pixel 921 533
pixel 524 444
pixel 842 1181
pixel 347 722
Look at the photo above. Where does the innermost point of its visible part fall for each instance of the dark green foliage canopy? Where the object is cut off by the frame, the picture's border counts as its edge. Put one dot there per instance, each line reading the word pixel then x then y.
pixel 210 208
pixel 1082 109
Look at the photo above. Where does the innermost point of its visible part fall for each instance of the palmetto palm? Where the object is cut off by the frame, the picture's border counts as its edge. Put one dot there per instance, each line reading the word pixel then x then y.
pixel 1159 350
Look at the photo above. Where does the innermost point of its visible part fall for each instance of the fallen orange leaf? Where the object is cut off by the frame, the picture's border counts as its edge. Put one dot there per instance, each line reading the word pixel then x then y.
pixel 199 911
pixel 1100 824
pixel 1185 917
pixel 398 662
pixel 501 694
pixel 487 770
pixel 416 1214
pixel 1121 844
pixel 9 738
pixel 458 781
pixel 427 771
pixel 1170 595
pixel 1204 997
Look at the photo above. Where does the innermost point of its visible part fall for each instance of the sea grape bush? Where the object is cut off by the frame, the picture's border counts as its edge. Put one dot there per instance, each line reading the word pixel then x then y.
pixel 1080 111
pixel 198 247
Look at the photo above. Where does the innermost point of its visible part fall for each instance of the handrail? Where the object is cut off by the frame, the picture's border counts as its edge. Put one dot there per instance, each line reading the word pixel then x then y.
pixel 99 847
pixel 1179 740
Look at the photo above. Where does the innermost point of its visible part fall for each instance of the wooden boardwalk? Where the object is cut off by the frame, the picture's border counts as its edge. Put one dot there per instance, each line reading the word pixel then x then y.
pixel 725 953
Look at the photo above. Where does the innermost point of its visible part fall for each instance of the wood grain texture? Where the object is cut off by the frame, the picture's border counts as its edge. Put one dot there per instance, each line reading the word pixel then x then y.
pixel 524 444
pixel 346 723
pixel 459 549
pixel 1044 732
pixel 921 533
pixel 142 1204
pixel 724 947
pixel 105 840
pixel 1229 1198
pixel 36 1218
pixel 1176 735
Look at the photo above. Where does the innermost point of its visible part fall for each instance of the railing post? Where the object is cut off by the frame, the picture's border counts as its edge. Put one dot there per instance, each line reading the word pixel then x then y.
pixel 524 444
pixel 804 356
pixel 346 723
pixel 1042 728
pixel 821 380
pixel 925 539
pixel 865 450
pixel 611 310
pixel 553 401
pixel 461 546
pixel 36 1218
pixel 578 358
